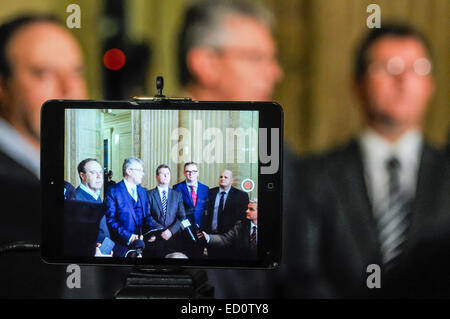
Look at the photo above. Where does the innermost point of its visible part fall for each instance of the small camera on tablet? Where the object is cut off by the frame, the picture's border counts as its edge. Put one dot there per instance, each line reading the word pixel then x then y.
pixel 162 182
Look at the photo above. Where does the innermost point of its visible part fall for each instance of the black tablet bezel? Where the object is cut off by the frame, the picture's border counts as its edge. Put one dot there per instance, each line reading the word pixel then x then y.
pixel 52 178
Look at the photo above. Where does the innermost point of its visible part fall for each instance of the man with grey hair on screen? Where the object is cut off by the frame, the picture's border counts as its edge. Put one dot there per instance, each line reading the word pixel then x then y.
pixel 127 208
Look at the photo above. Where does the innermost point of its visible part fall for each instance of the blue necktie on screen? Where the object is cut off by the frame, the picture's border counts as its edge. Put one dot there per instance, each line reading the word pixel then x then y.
pixel 219 211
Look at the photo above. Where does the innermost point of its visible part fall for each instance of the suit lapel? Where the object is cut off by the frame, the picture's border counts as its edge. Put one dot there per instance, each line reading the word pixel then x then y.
pixel 354 195
pixel 428 183
pixel 171 202
pixel 184 188
pixel 129 200
pixel 212 199
pixel 141 195
pixel 157 199
pixel 229 198
pixel 246 233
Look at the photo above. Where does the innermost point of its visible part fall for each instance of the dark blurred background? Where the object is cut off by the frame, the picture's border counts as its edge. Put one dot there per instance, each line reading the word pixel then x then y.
pixel 316 42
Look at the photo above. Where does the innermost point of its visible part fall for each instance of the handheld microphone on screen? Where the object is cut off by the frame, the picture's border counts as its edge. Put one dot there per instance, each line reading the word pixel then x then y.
pixel 138 247
pixel 186 224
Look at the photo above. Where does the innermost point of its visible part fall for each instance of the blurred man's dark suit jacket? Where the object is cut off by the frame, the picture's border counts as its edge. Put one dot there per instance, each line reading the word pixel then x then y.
pixel 340 239
pixel 24 274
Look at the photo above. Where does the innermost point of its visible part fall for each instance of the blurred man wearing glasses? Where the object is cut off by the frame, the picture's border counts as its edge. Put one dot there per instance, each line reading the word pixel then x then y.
pixel 380 198
pixel 227 52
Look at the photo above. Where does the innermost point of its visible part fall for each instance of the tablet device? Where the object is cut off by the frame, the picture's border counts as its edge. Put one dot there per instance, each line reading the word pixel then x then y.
pixel 241 141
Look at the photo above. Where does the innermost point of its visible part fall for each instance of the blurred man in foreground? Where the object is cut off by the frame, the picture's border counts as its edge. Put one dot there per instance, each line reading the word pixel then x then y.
pixel 226 52
pixel 380 198
pixel 39 60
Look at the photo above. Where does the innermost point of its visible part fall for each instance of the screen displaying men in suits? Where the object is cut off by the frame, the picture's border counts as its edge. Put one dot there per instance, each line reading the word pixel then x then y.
pixel 161 214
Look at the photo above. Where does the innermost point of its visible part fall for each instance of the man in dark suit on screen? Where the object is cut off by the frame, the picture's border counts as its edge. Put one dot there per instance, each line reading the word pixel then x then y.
pixel 167 210
pixel 127 208
pixel 378 199
pixel 242 239
pixel 91 176
pixel 226 206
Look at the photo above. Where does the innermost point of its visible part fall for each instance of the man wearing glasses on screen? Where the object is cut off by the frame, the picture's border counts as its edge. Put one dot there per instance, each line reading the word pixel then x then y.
pixel 195 194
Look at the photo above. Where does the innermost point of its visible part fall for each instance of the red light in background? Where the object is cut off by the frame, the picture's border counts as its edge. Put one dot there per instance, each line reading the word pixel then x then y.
pixel 114 59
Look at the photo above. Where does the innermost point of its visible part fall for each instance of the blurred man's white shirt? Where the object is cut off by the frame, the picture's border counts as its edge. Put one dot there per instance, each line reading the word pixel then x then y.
pixel 18 148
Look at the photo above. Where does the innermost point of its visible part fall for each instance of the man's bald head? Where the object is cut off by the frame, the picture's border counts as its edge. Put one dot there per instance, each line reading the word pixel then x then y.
pixel 226 179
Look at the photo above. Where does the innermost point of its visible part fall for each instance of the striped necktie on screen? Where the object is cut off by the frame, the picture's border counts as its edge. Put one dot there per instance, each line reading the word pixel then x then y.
pixel 253 236
pixel 164 202
pixel 393 216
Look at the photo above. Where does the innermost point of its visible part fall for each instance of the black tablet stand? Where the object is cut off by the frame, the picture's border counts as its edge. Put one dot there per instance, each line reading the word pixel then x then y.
pixel 166 283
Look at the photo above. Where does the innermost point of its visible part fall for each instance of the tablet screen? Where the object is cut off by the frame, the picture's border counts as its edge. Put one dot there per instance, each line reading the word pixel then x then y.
pixel 203 153
pixel 183 183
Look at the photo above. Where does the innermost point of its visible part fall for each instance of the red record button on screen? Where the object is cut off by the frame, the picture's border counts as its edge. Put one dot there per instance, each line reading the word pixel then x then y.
pixel 247 185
